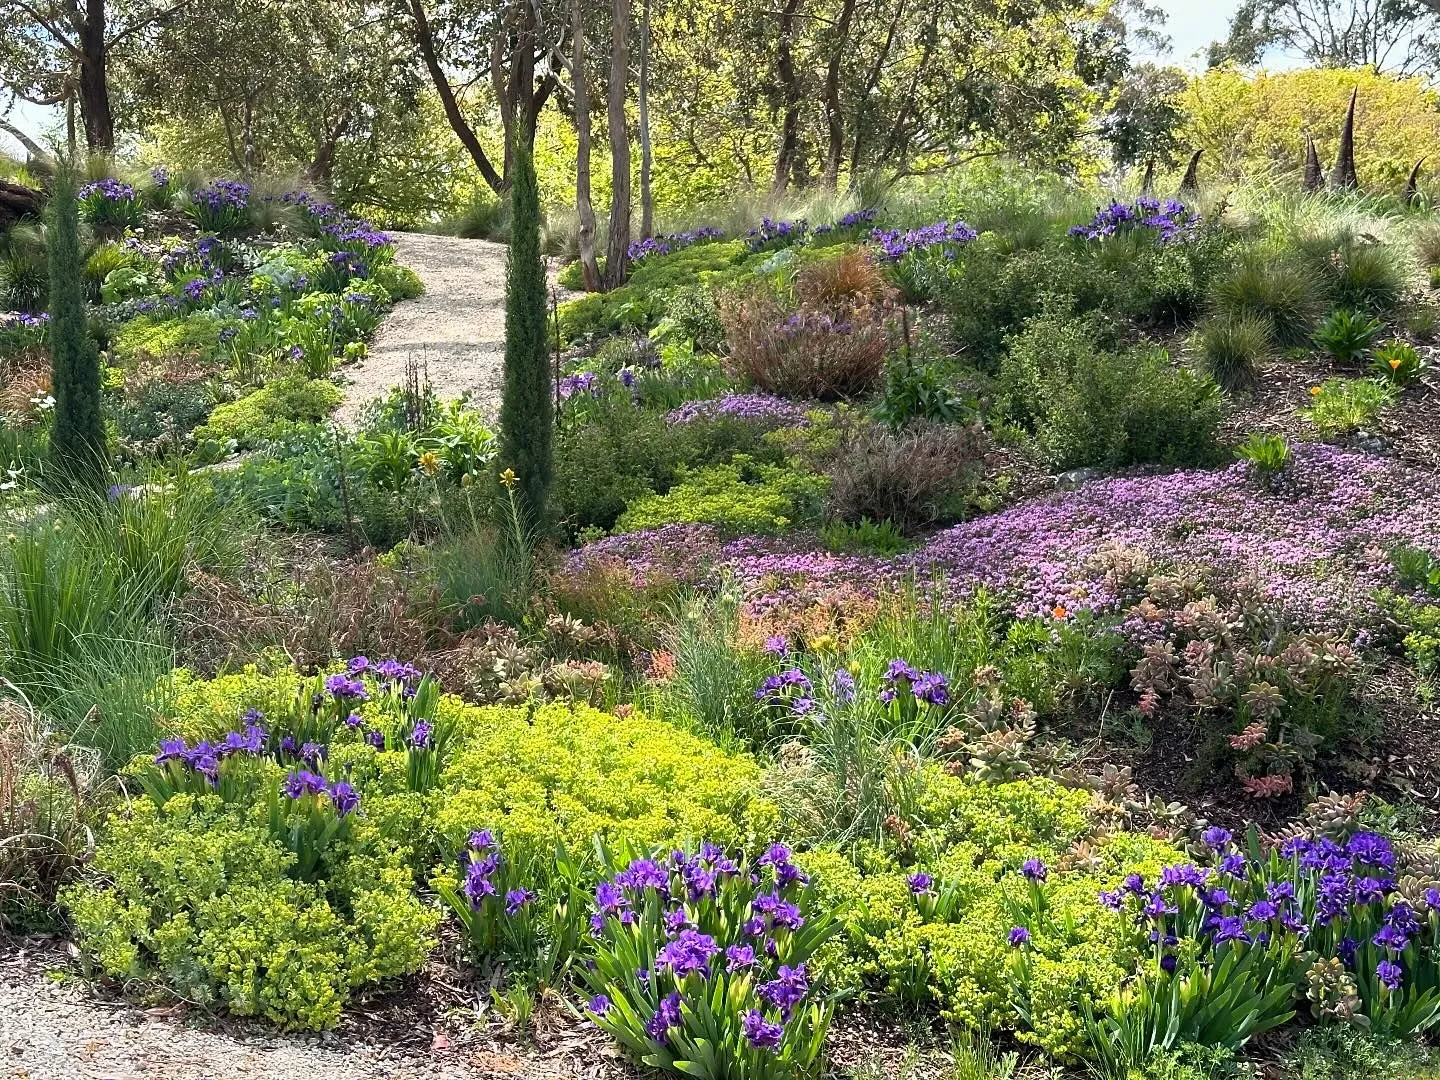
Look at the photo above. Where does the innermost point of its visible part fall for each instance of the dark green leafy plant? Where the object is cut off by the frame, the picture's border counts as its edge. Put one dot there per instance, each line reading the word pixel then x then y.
pixel 1346 334
pixel 1397 363
pixel 1270 454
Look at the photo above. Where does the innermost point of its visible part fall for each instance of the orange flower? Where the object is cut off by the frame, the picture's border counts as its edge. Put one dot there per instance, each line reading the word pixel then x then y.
pixel 1315 390
pixel 1395 364
pixel 1059 611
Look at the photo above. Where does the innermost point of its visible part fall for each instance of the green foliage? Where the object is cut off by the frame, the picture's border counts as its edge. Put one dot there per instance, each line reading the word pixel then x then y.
pixel 1223 1000
pixel 875 537
pixel 622 453
pixel 1356 272
pixel 713 687
pixel 1270 454
pixel 563 774
pixel 1397 363
pixel 741 496
pixel 78 595
pixel 1347 334
pixel 526 406
pixel 917 391
pixel 1232 349
pixel 645 299
pixel 197 897
pixel 77 434
pixel 1340 406
pixel 1337 1052
pixel 1092 406
pixel 242 424
pixel 1270 287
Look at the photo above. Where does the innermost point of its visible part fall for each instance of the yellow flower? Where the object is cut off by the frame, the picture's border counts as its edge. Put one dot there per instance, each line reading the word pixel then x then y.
pixel 824 643
pixel 1395 364
pixel 430 462
pixel 509 479
pixel 1314 391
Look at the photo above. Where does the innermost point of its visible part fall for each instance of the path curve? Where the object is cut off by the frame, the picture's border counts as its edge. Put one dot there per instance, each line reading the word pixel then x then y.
pixel 456 329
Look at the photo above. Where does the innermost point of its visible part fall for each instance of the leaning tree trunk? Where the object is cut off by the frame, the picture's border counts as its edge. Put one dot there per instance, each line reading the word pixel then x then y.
pixel 1314 178
pixel 18 201
pixel 94 87
pixel 1344 175
pixel 584 206
pixel 1147 182
pixel 617 253
pixel 834 122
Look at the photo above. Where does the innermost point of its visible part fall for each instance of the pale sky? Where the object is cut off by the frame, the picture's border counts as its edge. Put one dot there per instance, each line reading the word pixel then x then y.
pixel 1192 25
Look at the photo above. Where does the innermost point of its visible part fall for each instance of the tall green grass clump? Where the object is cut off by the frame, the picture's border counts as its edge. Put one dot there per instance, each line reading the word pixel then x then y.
pixel 1357 270
pixel 83 592
pixel 77 435
pixel 1281 291
pixel 526 407
pixel 1231 349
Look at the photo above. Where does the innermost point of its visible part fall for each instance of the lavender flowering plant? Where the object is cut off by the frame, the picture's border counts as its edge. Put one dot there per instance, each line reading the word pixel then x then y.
pixel 700 963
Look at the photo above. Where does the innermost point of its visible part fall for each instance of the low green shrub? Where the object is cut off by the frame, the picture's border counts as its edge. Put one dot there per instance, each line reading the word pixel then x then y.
pixel 199 898
pixel 242 424
pixel 1089 405
pixel 569 774
pixel 741 496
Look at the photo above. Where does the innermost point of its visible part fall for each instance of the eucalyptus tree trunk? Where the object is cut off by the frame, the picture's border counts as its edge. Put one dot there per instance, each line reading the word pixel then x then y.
pixel 584 206
pixel 617 256
pixel 647 159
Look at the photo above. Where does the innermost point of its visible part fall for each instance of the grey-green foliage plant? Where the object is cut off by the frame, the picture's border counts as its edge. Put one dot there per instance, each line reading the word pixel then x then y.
pixel 526 406
pixel 77 438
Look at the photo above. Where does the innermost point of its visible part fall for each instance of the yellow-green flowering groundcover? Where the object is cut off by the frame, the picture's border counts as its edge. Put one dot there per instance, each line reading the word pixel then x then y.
pixel 295 839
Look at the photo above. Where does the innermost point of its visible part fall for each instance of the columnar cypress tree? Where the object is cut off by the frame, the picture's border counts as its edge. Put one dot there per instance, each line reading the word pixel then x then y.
pixel 77 437
pixel 525 408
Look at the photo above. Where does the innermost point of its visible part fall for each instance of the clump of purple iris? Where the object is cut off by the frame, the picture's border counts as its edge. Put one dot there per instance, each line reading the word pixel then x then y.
pixel 770 234
pixel 640 250
pixel 946 237
pixel 1170 220
pixel 1019 936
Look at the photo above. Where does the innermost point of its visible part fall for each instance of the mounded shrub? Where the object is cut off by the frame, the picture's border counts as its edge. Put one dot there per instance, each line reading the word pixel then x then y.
pixel 826 352
pixel 921 476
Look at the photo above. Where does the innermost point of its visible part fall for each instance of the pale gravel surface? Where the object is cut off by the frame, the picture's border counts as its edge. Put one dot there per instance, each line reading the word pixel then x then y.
pixel 456 329
pixel 60 1030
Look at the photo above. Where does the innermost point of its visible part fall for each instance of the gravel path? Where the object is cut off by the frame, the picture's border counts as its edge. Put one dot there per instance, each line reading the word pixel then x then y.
pixel 456 329
pixel 60 1030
